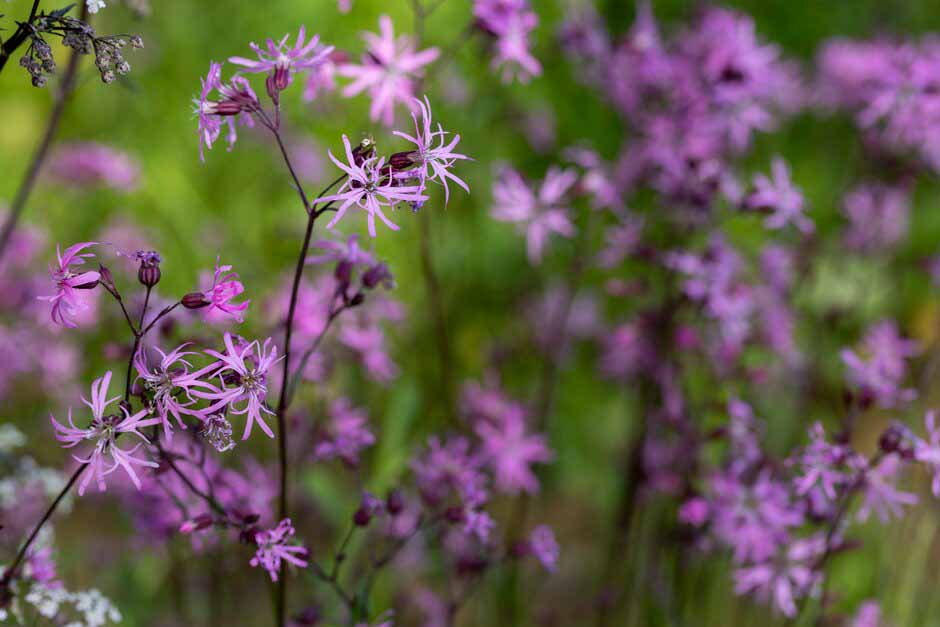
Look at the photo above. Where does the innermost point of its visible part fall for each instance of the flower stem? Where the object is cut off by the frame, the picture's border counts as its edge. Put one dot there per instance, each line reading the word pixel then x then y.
pixel 45 143
pixel 10 572
pixel 283 398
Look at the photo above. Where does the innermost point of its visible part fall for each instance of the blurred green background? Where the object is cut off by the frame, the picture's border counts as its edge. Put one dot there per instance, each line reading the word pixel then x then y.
pixel 239 205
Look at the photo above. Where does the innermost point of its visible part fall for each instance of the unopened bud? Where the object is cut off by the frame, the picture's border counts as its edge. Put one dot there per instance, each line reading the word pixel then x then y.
pixel 377 274
pixel 394 503
pixel 196 524
pixel 148 275
pixel 401 161
pixel 343 272
pixel 195 300
pixel 364 150
pixel 362 517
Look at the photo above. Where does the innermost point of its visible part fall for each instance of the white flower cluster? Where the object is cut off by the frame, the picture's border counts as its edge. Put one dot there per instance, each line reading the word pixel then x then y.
pixel 95 5
pixel 88 608
pixel 11 438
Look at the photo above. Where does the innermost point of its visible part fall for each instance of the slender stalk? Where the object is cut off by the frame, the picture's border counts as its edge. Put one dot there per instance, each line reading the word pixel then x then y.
pixel 10 572
pixel 66 87
pixel 283 398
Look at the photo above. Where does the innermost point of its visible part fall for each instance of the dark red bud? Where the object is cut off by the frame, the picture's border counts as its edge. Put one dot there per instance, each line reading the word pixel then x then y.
pixel 195 300
pixel 394 503
pixel 148 275
pixel 364 150
pixel 106 278
pixel 401 161
pixel 362 517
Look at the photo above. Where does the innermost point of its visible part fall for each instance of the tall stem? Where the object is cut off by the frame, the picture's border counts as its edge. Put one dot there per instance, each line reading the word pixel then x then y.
pixel 45 143
pixel 283 398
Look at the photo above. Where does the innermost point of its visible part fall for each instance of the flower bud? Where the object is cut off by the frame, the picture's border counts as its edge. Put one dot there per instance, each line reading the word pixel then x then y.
pixel 343 272
pixel 198 523
pixel 454 515
pixel 377 274
pixel 87 286
pixel 362 517
pixel 365 150
pixel 195 300
pixel 148 275
pixel 105 277
pixel 401 161
pixel 395 502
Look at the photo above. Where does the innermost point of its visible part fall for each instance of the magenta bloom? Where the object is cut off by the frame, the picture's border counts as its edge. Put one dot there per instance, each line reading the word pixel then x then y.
pixel 106 456
pixel 284 61
pixel 273 547
pixel 237 101
pixel 544 547
pixel 450 468
pixel 172 385
pixel 433 162
pixel 880 368
pixel 245 370
pixel 778 195
pixel 348 252
pixel 822 465
pixel 781 581
pixel 541 214
pixel 65 302
pixel 880 493
pixel 510 451
pixel 90 164
pixel 370 187
pixel 347 434
pixel 510 21
pixel 224 290
pixel 928 451
pixel 388 71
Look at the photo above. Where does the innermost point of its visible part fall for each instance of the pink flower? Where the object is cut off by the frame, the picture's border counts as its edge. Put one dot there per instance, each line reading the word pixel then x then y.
pixel 171 384
pixel 928 452
pixel 510 451
pixel 347 434
pixel 89 164
pixel 539 214
pixel 238 101
pixel 65 302
pixel 224 290
pixel 880 493
pixel 273 547
pixel 510 21
pixel 370 187
pixel 245 369
pixel 785 579
pixel 388 71
pixel 105 431
pixel 285 61
pixel 544 547
pixel 433 162
pixel 778 195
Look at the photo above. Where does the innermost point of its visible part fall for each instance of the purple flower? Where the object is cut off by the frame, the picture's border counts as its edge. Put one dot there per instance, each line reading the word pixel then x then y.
pixel 694 512
pixel 777 195
pixel 544 547
pixel 104 430
pixel 348 252
pixel 868 615
pixel 541 214
pixel 89 164
pixel 450 468
pixel 171 383
pixel 928 451
pixel 284 61
pixel 510 21
pixel 222 293
pixel 65 302
pixel 237 101
pixel 878 217
pixel 370 187
pixel 273 546
pixel 245 370
pixel 880 493
pixel 388 71
pixel 880 368
pixel 781 581
pixel 822 465
pixel 510 451
pixel 347 434
pixel 433 162
pixel 754 518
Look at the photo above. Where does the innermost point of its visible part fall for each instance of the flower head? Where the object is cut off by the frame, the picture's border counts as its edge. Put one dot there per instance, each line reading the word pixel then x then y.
pixel 369 186
pixel 347 434
pixel 171 384
pixel 65 302
pixel 433 163
pixel 510 451
pixel 244 372
pixel 273 546
pixel 388 71
pixel 283 61
pixel 541 214
pixel 780 197
pixel 222 293
pixel 544 547
pixel 236 101
pixel 106 456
